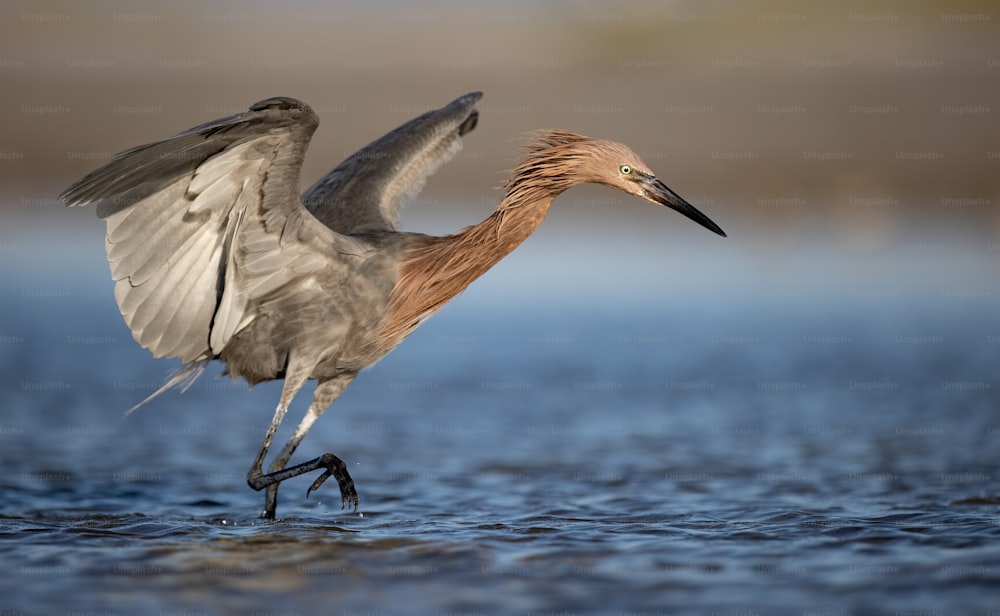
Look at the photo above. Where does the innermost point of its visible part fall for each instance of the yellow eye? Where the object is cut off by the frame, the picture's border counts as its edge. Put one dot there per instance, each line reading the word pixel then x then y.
pixel 625 169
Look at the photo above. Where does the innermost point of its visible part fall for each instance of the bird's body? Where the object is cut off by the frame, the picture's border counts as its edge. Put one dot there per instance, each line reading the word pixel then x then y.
pixel 216 256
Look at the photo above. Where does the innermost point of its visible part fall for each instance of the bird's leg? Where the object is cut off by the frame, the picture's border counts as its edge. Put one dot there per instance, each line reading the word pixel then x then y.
pixel 294 380
pixel 325 394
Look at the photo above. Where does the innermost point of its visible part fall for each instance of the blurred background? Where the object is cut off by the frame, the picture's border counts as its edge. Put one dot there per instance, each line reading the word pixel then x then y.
pixel 850 151
pixel 828 140
pixel 853 124
pixel 823 376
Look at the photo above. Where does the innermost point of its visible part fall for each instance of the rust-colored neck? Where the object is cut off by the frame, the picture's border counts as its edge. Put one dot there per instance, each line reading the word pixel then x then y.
pixel 435 269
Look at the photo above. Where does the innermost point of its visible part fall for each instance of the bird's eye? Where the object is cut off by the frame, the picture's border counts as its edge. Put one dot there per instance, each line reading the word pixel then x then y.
pixel 625 169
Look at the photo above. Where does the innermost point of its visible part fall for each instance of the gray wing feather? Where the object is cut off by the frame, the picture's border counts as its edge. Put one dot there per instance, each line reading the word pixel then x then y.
pixel 196 223
pixel 366 191
pixel 151 166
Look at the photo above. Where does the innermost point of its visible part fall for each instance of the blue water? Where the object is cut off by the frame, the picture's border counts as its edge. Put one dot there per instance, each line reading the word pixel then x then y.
pixel 762 437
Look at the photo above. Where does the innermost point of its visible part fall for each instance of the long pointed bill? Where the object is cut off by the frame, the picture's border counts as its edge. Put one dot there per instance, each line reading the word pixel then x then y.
pixel 658 192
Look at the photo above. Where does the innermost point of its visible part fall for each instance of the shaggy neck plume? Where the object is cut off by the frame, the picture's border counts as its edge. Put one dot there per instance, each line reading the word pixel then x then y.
pixel 436 269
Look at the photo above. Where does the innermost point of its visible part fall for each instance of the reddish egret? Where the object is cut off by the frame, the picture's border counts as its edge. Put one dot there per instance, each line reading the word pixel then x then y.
pixel 216 256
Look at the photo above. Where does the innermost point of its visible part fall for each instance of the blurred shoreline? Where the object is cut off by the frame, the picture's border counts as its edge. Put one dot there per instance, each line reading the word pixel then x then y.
pixel 782 119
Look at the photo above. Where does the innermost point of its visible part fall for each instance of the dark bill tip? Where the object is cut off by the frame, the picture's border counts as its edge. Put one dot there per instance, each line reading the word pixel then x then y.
pixel 658 192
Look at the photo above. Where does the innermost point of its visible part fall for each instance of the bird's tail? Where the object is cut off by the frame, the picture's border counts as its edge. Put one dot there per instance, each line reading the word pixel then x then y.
pixel 182 378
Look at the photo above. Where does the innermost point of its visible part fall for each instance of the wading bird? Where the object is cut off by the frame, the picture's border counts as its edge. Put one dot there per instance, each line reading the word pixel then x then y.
pixel 215 255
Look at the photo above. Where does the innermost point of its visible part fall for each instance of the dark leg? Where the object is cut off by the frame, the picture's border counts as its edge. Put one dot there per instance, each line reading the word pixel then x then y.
pixel 335 468
pixel 326 393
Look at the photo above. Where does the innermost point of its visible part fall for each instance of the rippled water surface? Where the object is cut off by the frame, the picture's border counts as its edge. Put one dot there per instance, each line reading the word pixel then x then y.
pixel 716 454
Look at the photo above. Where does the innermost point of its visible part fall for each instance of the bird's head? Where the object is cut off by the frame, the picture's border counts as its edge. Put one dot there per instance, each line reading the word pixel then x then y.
pixel 579 159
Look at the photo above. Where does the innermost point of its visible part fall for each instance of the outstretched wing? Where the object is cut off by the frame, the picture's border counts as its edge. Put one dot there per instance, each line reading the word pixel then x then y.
pixel 201 223
pixel 366 191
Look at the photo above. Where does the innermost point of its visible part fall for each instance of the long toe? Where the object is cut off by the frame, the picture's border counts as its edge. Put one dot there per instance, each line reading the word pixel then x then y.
pixel 336 468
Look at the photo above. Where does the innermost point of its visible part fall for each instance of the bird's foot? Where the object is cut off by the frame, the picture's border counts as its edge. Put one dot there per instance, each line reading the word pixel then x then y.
pixel 336 468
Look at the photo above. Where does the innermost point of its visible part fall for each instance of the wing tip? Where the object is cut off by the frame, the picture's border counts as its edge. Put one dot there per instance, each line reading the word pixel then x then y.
pixel 280 103
pixel 472 118
pixel 67 198
pixel 76 195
